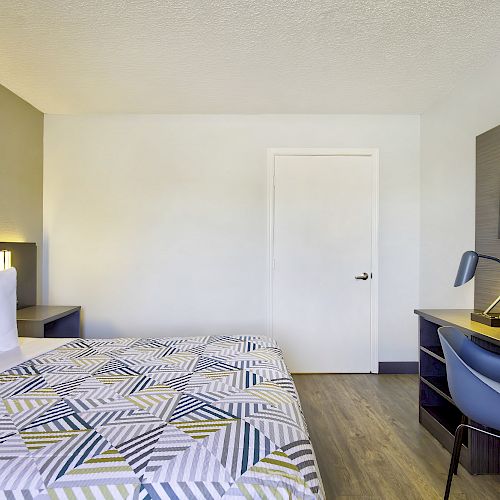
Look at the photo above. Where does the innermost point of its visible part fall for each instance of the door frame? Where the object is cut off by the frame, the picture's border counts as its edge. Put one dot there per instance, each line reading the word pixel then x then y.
pixel 372 153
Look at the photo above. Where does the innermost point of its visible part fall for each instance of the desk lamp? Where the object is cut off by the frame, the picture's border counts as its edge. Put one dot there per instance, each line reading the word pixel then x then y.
pixel 466 271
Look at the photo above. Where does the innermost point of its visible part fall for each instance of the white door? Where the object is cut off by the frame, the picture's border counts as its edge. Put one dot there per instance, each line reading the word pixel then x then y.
pixel 322 241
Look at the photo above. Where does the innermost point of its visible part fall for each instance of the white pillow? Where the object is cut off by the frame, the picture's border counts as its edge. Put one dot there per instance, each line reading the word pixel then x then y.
pixel 8 306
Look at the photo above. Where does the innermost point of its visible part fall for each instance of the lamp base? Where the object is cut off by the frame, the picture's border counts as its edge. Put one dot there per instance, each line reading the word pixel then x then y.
pixel 486 319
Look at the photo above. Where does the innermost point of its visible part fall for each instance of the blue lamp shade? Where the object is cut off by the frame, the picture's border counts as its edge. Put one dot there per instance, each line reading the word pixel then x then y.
pixel 467 267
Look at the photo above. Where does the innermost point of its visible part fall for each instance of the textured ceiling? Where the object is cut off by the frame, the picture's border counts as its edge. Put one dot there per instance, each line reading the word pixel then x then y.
pixel 262 56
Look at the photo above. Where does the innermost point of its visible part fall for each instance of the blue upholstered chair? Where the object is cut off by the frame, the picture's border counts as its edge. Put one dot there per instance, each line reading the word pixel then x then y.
pixel 474 381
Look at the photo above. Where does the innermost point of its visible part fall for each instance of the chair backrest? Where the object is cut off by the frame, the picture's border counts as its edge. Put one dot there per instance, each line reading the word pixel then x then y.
pixel 473 377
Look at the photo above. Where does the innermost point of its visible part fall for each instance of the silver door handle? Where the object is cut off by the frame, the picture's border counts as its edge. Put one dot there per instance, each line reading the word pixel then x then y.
pixel 363 276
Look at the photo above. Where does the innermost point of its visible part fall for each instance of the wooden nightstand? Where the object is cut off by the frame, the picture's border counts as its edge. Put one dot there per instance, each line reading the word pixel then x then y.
pixel 49 321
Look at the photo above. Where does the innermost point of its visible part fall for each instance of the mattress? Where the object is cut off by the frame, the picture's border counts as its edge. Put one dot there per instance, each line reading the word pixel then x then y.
pixel 188 418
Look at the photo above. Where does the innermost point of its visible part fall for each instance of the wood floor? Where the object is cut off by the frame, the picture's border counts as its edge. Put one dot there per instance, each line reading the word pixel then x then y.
pixel 369 444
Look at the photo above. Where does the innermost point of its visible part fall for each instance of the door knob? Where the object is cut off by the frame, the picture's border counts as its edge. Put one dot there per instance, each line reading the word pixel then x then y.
pixel 363 276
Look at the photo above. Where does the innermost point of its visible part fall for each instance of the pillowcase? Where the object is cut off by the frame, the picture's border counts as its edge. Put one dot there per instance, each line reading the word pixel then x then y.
pixel 8 306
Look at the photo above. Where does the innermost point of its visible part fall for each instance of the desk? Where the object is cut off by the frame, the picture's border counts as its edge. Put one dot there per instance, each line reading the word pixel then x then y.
pixel 437 410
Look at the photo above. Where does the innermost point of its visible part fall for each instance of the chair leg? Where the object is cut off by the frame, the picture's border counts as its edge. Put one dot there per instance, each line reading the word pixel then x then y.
pixel 463 421
pixel 457 448
pixel 455 457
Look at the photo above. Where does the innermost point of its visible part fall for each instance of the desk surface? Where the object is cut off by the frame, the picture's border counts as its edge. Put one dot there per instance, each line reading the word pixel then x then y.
pixel 45 313
pixel 461 319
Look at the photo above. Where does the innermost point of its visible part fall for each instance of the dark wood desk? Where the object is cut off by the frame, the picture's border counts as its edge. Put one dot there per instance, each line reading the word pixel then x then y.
pixel 437 410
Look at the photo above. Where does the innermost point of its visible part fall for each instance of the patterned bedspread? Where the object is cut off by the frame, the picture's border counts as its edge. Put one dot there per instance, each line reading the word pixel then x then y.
pixel 188 418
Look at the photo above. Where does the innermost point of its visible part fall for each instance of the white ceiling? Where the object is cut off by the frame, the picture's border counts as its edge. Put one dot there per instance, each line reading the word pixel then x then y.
pixel 262 56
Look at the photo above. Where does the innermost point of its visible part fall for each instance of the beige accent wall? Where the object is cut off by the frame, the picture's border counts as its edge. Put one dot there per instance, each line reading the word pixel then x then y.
pixel 21 172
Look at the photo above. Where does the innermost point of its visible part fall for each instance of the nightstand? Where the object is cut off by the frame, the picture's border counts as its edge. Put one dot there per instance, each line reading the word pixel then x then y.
pixel 49 321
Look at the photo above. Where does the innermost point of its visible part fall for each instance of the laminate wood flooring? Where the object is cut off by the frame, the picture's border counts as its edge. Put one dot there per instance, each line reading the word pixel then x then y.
pixel 369 443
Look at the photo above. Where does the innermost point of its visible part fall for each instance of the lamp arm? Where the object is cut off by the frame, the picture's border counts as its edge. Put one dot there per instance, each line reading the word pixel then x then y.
pixel 491 306
pixel 489 257
pixel 497 300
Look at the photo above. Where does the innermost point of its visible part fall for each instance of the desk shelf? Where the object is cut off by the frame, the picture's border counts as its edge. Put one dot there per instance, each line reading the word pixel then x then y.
pixel 434 351
pixel 438 384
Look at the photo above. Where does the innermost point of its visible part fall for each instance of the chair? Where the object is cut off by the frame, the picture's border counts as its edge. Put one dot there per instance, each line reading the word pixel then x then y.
pixel 474 381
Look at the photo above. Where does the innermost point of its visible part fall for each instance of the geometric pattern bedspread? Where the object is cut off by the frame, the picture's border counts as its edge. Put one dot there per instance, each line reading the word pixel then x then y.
pixel 178 418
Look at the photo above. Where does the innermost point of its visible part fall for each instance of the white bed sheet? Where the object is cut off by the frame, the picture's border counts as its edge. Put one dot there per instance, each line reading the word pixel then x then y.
pixel 28 348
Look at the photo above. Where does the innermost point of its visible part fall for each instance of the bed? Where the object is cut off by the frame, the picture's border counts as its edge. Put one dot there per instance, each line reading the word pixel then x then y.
pixel 188 418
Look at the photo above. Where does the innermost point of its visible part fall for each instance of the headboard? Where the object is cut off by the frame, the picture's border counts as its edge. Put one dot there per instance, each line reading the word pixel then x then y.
pixel 24 260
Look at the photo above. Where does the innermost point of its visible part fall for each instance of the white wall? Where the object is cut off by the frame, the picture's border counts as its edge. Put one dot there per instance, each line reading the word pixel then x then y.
pixel 156 224
pixel 448 148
